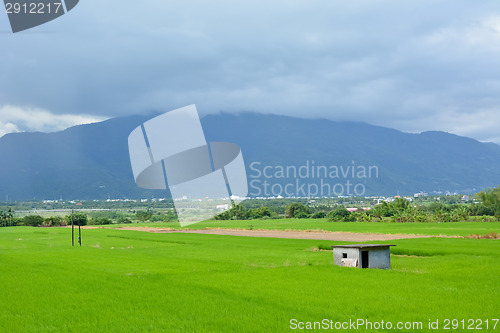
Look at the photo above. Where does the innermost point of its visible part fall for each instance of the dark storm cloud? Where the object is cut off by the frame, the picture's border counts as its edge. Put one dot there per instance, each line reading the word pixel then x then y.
pixel 426 65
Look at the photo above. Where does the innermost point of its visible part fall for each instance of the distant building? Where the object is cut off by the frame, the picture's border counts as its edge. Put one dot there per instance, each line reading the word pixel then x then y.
pixel 356 209
pixel 222 207
pixel 363 255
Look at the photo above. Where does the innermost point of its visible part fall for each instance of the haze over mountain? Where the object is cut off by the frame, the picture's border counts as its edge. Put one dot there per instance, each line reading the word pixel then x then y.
pixel 293 156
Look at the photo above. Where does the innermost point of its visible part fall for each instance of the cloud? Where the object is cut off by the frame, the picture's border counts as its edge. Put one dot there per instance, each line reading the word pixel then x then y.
pixel 7 128
pixel 482 35
pixel 18 119
pixel 413 66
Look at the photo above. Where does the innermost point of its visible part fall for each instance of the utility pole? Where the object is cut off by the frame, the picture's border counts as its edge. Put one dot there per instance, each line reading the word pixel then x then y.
pixel 79 234
pixel 72 229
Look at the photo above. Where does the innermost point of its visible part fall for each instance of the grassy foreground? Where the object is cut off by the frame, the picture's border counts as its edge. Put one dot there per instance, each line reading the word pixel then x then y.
pixel 130 281
pixel 435 229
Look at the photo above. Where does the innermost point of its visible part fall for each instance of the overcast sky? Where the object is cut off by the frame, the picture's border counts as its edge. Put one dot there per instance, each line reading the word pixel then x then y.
pixel 410 65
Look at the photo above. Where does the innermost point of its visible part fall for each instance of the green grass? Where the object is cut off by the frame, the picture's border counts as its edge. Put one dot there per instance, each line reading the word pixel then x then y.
pixel 450 228
pixel 131 281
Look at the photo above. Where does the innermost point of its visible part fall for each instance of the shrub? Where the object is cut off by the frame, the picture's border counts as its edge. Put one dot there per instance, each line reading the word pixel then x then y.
pixel 53 221
pixel 319 215
pixel 142 215
pixel 364 217
pixel 170 216
pixel 301 215
pixel 33 220
pixel 15 221
pixel 480 210
pixel 340 214
pixel 112 215
pixel 123 220
pixel 158 218
pixel 100 221
pixel 326 247
pixel 435 207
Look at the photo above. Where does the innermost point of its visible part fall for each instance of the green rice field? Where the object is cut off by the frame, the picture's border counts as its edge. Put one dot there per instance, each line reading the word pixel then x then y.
pixel 133 281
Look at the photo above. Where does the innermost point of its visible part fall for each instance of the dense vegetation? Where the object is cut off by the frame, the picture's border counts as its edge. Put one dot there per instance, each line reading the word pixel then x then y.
pixel 485 206
pixel 398 210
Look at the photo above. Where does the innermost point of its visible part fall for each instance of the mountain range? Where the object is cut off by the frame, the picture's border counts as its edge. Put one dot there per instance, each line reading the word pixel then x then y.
pixel 293 156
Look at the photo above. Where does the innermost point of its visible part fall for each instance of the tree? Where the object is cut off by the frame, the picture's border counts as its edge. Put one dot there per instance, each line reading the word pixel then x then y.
pixel 9 215
pixel 264 211
pixel 3 218
pixel 400 205
pixel 235 213
pixel 490 198
pixel 258 213
pixel 480 210
pixel 143 216
pixel 78 219
pixel 383 210
pixel 297 209
pixel 397 207
pixel 340 214
pixel 170 216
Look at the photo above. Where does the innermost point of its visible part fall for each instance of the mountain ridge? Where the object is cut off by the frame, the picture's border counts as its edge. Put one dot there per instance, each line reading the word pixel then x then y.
pixel 91 161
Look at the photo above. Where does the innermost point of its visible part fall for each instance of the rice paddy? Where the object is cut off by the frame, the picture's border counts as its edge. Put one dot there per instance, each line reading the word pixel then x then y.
pixel 132 281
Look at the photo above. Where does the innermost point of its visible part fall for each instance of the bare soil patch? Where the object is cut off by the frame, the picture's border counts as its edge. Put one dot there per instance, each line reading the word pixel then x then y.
pixel 493 235
pixel 296 234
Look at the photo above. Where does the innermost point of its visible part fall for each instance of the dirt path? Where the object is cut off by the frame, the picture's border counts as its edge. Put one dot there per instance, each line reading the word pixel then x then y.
pixel 319 235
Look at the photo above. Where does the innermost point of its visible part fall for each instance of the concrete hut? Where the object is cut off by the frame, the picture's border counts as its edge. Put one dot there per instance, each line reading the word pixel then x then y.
pixel 363 255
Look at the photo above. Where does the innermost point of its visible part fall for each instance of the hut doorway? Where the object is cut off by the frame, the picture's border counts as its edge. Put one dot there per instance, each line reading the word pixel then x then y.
pixel 364 259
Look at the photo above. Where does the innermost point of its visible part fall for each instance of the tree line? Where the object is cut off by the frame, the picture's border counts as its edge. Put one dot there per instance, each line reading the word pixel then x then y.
pixel 398 210
pixel 79 218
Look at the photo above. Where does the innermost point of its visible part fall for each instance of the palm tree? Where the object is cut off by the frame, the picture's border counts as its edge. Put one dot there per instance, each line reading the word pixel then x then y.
pixel 10 215
pixel 3 218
